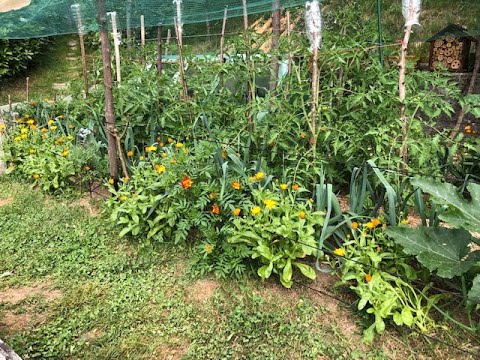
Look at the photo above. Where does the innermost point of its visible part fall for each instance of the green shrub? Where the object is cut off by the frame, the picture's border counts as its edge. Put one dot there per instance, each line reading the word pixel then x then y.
pixel 16 55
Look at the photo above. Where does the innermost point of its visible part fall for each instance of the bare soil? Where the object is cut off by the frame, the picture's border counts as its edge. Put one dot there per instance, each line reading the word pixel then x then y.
pixel 203 290
pixel 9 5
pixel 16 295
pixel 6 201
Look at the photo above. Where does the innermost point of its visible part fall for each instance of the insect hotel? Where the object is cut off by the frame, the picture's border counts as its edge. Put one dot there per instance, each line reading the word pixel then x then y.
pixel 450 49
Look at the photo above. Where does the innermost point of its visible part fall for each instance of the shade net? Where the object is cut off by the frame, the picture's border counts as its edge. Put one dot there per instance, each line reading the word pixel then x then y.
pixel 55 17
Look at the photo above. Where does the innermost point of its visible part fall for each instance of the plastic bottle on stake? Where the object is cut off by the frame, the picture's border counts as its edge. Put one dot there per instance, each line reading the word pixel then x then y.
pixel 313 20
pixel 411 11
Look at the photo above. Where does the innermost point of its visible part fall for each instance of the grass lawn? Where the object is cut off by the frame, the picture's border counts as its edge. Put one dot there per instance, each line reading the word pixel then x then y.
pixel 70 289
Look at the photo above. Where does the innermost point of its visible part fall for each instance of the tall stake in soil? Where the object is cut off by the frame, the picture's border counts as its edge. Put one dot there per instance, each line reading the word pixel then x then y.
pixel 116 44
pixel 276 14
pixel 142 36
pixel 468 90
pixel 78 17
pixel 28 88
pixel 222 38
pixel 402 93
pixel 159 58
pixel 247 59
pixel 129 24
pixel 107 82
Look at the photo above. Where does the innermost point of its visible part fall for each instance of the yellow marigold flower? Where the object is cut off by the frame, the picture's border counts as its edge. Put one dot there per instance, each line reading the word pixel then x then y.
pixel 208 248
pixel 130 153
pixel 31 122
pixel 153 148
pixel 147 149
pixel 31 151
pixel 283 186
pixel 70 137
pixel 111 181
pixel 354 225
pixel 251 178
pixel 141 158
pixel 260 175
pixel 405 221
pixel 24 136
pixel 468 127
pixel 375 222
pixel 126 179
pixel 24 130
pixel 370 225
pixel 236 185
pixel 170 140
pixel 17 138
pixel 53 127
pixel 2 126
pixel 339 252
pixel 270 204
pixel 161 144
pixel 302 135
pixel 301 214
pixel 50 122
pixel 178 145
pixel 160 168
pixel 65 153
pixel 236 211
pixel 295 187
pixel 44 130
pixel 36 176
pixel 164 155
pixel 123 198
pixel 256 210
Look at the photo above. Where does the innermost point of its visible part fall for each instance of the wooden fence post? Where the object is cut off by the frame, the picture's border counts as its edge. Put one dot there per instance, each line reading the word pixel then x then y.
pixel 107 81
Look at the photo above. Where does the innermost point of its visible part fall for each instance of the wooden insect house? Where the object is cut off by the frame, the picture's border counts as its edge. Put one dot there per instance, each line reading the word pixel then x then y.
pixel 450 49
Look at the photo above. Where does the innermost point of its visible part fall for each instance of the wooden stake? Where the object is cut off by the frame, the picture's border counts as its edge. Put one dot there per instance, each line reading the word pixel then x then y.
pixel 178 22
pixel 107 81
pixel 159 58
pixel 313 124
pixel 169 36
pixel 28 88
pixel 222 38
pixel 402 93
pixel 245 15
pixel 142 36
pixel 129 24
pixel 116 44
pixel 276 13
pixel 180 62
pixel 9 103
pixel 78 16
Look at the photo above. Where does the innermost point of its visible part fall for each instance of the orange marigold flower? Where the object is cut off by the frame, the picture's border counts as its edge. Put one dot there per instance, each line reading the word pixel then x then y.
pixel 354 225
pixel 295 187
pixel 375 222
pixel 215 209
pixel 236 185
pixel 301 214
pixel 186 182
pixel 368 278
pixel 130 153
pixel 236 211
pixel 302 135
pixel 44 130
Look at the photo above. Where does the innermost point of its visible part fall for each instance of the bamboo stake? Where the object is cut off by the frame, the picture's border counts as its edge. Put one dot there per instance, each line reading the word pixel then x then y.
pixel 180 62
pixel 10 103
pixel 289 41
pixel 78 16
pixel 107 81
pixel 28 88
pixel 169 36
pixel 313 124
pixel 116 44
pixel 222 38
pixel 142 36
pixel 129 24
pixel 402 93
pixel 178 21
pixel 247 56
pixel 276 13
pixel 159 59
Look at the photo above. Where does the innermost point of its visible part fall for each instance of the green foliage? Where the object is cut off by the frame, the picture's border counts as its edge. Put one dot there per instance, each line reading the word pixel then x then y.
pixel 279 230
pixel 370 267
pixel 16 55
pixel 438 249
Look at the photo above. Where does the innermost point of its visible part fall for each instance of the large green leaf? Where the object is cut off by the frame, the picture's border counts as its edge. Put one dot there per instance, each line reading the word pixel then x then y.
pixel 474 293
pixel 441 249
pixel 461 213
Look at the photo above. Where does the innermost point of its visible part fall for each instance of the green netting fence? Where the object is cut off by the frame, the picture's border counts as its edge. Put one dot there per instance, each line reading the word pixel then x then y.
pixel 55 17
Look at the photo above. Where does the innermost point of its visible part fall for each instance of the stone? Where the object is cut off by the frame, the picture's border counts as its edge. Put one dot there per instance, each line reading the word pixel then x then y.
pixel 6 353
